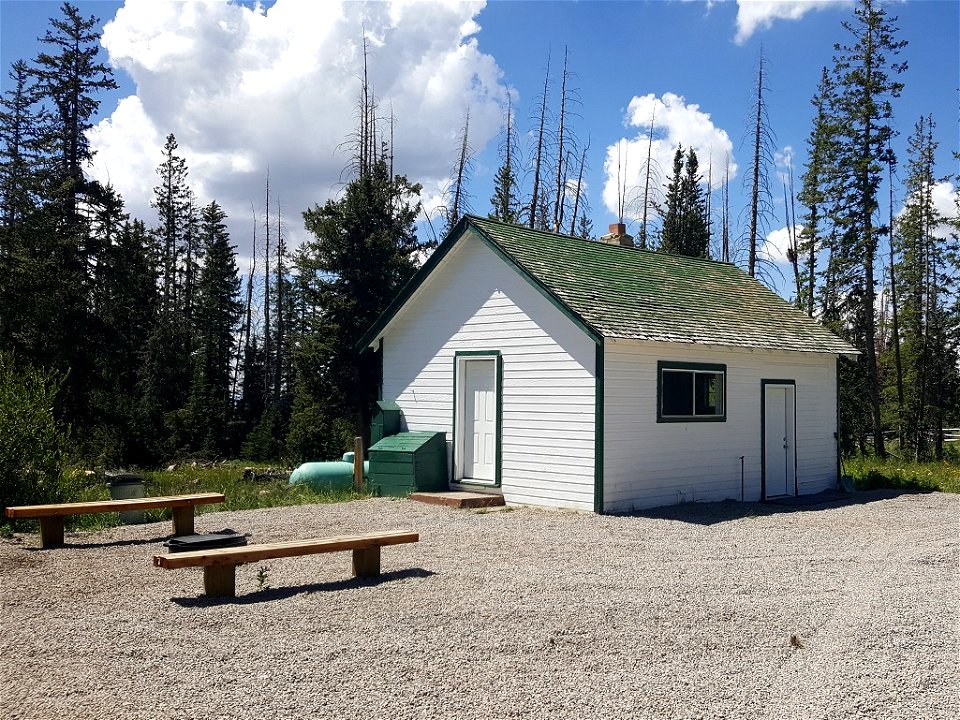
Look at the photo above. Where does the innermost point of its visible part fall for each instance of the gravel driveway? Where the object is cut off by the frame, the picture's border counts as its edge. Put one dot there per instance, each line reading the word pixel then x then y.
pixel 721 610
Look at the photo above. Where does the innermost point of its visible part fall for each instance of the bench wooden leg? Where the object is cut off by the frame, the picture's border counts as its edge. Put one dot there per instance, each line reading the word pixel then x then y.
pixel 366 562
pixel 51 531
pixel 183 520
pixel 220 580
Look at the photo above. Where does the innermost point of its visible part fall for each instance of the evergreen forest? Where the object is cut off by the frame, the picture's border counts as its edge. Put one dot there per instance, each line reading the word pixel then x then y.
pixel 137 341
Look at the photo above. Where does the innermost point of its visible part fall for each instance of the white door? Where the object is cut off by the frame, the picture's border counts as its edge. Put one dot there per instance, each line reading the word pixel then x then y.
pixel 479 419
pixel 778 440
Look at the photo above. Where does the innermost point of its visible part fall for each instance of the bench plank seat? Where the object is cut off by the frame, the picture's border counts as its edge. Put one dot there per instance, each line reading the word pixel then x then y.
pixel 220 564
pixel 52 516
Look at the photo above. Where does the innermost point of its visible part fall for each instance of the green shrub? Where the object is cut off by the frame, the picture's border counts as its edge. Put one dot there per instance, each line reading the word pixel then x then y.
pixel 870 473
pixel 33 447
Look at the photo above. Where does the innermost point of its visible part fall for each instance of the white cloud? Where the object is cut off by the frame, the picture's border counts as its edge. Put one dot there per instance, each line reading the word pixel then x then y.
pixel 246 89
pixel 674 123
pixel 783 162
pixel 776 243
pixel 753 15
pixel 945 201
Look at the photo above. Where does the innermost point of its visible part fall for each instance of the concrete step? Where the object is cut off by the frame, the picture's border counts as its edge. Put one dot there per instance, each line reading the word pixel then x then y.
pixel 458 499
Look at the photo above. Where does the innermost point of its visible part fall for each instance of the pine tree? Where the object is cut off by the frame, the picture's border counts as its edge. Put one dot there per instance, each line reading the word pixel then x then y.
pixel 56 249
pixel 21 133
pixel 585 228
pixel 20 167
pixel 927 277
pixel 866 88
pixel 672 211
pixel 686 229
pixel 362 252
pixel 69 76
pixel 695 221
pixel 126 302
pixel 217 313
pixel 814 192
pixel 173 202
pixel 504 200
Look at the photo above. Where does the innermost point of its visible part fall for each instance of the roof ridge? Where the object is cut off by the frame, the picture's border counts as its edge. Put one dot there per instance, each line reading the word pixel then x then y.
pixel 656 296
pixel 598 243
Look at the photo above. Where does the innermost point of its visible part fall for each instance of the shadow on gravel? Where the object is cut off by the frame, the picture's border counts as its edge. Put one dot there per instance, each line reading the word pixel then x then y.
pixel 68 545
pixel 730 510
pixel 271 594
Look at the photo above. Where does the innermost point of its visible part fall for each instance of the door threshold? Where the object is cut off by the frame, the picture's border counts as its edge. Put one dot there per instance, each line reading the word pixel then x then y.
pixel 476 487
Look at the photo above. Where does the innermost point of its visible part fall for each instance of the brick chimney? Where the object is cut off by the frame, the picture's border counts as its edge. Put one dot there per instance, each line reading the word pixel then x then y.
pixel 617 235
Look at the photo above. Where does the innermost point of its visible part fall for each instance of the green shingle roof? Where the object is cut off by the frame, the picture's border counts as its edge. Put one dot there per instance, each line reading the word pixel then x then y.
pixel 620 292
pixel 623 292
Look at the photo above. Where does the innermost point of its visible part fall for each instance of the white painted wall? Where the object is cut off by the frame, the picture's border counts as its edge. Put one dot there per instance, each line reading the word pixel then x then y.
pixel 476 301
pixel 647 463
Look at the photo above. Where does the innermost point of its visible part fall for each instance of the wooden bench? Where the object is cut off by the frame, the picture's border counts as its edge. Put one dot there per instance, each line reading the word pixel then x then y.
pixel 51 516
pixel 220 565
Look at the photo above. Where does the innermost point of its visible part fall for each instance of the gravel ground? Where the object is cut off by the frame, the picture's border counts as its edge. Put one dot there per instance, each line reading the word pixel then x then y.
pixel 685 612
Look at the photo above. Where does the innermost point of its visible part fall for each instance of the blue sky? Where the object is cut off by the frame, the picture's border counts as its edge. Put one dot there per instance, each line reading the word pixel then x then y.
pixel 245 90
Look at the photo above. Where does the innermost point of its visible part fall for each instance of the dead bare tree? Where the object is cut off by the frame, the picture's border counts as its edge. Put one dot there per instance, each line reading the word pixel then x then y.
pixel 458 194
pixel 279 319
pixel 725 221
pixel 762 142
pixel 793 255
pixel 895 315
pixel 709 201
pixel 244 343
pixel 562 159
pixel 579 188
pixel 538 162
pixel 649 174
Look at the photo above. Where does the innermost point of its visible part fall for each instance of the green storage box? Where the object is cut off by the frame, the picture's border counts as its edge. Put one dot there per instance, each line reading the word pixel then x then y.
pixel 409 462
pixel 385 422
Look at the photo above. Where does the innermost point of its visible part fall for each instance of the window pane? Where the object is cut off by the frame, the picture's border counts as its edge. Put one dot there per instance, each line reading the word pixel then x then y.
pixel 709 394
pixel 677 392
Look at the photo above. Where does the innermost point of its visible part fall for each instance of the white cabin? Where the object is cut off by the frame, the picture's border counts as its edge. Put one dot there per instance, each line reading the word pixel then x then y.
pixel 594 376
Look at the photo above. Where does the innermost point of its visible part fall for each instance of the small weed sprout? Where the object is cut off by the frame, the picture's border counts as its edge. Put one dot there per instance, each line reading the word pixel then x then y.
pixel 263 573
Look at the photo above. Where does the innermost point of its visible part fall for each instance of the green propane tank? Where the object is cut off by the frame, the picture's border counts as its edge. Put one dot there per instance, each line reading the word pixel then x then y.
pixel 335 474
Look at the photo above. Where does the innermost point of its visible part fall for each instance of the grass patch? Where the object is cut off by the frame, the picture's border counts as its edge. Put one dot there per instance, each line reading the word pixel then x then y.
pixel 241 493
pixel 870 473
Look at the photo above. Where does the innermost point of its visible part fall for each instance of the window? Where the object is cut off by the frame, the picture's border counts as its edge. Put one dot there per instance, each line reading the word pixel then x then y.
pixel 691 392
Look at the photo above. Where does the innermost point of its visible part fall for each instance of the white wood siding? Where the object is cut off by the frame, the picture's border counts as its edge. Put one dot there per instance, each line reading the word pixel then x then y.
pixel 475 301
pixel 647 463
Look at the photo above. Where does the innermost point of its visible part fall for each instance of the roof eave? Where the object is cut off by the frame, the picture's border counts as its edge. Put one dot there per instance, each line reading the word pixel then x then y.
pixel 379 328
pixel 370 337
pixel 593 332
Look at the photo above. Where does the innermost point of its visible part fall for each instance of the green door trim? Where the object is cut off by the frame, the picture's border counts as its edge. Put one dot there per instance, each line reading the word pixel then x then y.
pixel 498 379
pixel 763 435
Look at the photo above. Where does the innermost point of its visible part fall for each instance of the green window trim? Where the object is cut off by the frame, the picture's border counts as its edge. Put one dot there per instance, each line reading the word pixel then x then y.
pixel 699 383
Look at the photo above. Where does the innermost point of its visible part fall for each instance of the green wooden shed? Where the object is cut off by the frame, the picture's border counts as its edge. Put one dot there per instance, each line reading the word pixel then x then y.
pixel 409 462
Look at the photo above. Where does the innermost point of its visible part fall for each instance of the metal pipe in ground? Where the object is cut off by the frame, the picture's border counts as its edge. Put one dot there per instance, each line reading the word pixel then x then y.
pixel 741 477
